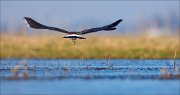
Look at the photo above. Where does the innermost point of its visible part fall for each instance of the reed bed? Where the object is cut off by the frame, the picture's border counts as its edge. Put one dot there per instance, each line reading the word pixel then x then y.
pixel 94 47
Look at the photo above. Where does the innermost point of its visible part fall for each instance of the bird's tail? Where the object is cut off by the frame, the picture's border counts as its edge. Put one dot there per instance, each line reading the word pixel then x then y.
pixel 34 24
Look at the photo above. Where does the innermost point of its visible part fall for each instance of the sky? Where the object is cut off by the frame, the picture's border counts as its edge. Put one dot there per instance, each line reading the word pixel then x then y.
pixel 83 14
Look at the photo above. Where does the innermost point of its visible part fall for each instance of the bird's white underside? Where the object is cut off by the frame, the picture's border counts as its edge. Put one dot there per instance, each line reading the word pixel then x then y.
pixel 74 35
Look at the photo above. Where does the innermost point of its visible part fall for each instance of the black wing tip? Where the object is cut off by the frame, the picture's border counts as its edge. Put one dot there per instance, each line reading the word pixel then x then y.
pixel 118 21
pixel 115 23
pixel 27 18
pixel 33 24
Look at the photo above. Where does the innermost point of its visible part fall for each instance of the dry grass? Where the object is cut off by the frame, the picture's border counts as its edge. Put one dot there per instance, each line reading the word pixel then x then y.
pixel 93 47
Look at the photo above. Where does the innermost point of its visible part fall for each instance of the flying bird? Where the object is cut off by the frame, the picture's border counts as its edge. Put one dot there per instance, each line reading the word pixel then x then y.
pixel 71 35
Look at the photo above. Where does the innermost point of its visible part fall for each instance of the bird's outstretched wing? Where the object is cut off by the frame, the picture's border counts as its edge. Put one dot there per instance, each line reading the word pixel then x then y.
pixel 106 28
pixel 34 24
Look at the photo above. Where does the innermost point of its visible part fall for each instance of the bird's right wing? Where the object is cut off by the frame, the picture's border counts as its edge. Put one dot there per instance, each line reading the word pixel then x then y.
pixel 34 24
pixel 106 28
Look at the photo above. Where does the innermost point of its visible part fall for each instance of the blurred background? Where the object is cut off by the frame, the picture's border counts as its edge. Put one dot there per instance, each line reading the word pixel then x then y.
pixel 140 17
pixel 150 29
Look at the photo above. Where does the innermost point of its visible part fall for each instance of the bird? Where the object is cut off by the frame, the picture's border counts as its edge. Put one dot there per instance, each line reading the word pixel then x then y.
pixel 71 35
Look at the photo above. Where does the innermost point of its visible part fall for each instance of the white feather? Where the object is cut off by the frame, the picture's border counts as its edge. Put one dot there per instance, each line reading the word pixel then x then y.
pixel 26 23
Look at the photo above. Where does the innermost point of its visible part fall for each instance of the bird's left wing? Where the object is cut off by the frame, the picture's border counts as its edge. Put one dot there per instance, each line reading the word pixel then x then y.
pixel 34 24
pixel 106 28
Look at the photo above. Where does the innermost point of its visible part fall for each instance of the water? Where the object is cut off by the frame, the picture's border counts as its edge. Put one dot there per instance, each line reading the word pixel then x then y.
pixel 117 76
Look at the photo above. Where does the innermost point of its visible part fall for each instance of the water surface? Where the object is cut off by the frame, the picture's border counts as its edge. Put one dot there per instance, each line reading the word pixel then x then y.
pixel 116 76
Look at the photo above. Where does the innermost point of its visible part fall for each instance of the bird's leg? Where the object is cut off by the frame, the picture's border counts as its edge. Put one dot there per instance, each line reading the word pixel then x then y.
pixel 74 40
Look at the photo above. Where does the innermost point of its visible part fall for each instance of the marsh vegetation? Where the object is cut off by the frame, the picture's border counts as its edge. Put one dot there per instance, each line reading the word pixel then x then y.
pixel 52 46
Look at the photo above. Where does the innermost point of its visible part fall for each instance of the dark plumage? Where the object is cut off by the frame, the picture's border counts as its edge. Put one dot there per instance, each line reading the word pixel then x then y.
pixel 72 35
pixel 34 24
